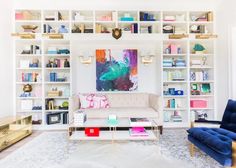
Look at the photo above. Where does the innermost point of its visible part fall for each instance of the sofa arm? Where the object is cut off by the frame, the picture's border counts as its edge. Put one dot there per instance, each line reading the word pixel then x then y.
pixel 74 105
pixel 154 102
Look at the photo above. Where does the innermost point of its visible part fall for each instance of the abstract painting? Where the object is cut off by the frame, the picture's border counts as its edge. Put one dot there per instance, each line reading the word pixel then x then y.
pixel 116 70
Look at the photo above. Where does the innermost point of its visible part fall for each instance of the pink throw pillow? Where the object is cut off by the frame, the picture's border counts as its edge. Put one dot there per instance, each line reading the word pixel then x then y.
pixel 95 101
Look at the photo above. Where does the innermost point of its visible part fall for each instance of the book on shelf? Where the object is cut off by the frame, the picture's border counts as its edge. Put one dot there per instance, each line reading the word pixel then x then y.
pixel 206 88
pixel 138 131
pixel 134 28
pixel 140 122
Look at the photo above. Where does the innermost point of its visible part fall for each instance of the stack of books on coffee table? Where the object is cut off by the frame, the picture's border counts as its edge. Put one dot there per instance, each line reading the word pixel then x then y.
pixel 140 122
pixel 138 131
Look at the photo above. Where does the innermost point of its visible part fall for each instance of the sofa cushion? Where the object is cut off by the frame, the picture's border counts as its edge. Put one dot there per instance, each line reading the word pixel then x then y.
pixel 128 100
pixel 218 139
pixel 122 112
pixel 229 117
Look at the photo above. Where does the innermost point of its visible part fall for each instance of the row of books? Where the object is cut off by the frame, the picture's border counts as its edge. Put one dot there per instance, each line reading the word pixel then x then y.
pixel 171 103
pixel 47 28
pixel 57 77
pixel 30 77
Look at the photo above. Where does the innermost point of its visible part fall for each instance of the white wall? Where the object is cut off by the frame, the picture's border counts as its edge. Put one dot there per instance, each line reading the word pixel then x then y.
pixel 119 4
pixel 6 59
pixel 225 21
pixel 6 46
pixel 232 68
pixel 84 76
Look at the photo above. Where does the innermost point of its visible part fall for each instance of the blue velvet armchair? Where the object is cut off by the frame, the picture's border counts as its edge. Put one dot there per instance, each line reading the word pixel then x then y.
pixel 219 143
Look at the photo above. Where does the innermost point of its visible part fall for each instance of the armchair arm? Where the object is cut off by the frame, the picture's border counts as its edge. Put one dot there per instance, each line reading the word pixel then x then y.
pixel 208 121
pixel 205 123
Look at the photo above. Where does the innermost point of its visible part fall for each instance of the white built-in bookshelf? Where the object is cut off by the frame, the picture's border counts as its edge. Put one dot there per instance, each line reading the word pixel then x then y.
pixel 183 68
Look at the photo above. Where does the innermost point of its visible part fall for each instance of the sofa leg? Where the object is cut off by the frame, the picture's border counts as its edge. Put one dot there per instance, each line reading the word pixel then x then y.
pixel 161 129
pixel 234 154
pixel 192 149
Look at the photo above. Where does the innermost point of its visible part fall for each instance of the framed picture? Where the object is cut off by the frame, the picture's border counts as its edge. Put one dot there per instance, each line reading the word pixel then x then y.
pixel 54 118
pixel 116 70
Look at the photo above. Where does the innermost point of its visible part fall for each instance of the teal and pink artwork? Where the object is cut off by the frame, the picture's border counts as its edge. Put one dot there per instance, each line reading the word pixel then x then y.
pixel 116 70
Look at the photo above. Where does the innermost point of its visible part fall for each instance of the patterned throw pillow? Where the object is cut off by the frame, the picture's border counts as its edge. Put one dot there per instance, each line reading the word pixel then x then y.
pixel 92 100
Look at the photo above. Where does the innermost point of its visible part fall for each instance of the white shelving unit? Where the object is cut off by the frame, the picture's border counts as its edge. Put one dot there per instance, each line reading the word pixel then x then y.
pixel 85 25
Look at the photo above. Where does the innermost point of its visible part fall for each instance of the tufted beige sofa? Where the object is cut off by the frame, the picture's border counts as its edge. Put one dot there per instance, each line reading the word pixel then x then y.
pixel 125 105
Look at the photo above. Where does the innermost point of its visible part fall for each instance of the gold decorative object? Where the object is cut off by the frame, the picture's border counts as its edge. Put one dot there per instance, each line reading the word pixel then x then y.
pixel 13 129
pixel 33 27
pixel 116 33
pixel 178 36
pixel 24 35
pixel 54 35
pixel 56 93
pixel 27 88
pixel 205 36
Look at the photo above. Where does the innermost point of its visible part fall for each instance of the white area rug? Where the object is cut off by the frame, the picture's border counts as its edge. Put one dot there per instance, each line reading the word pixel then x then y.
pixel 52 150
pixel 120 155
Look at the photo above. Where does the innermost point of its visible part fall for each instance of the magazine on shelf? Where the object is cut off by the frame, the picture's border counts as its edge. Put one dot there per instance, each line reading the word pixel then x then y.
pixel 138 131
pixel 140 122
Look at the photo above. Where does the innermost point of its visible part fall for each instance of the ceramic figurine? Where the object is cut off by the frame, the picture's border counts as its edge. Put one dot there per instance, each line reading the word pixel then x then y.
pixel 66 63
pixel 199 49
pixel 62 29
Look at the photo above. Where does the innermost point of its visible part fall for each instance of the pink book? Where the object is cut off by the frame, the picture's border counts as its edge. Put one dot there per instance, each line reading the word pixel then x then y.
pixel 173 49
pixel 138 131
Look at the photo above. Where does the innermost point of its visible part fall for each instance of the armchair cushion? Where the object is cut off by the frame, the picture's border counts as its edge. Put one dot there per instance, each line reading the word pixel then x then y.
pixel 229 117
pixel 218 139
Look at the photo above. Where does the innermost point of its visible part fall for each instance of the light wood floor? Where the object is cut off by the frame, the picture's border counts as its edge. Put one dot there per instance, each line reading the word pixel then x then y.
pixel 17 145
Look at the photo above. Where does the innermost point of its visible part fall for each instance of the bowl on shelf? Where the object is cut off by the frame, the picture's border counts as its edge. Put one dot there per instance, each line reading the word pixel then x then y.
pixel 33 27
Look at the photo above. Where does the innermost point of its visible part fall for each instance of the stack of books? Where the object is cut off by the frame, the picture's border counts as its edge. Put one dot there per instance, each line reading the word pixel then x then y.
pixel 176 118
pixel 180 63
pixel 140 122
pixel 167 63
pixel 80 118
pixel 138 131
